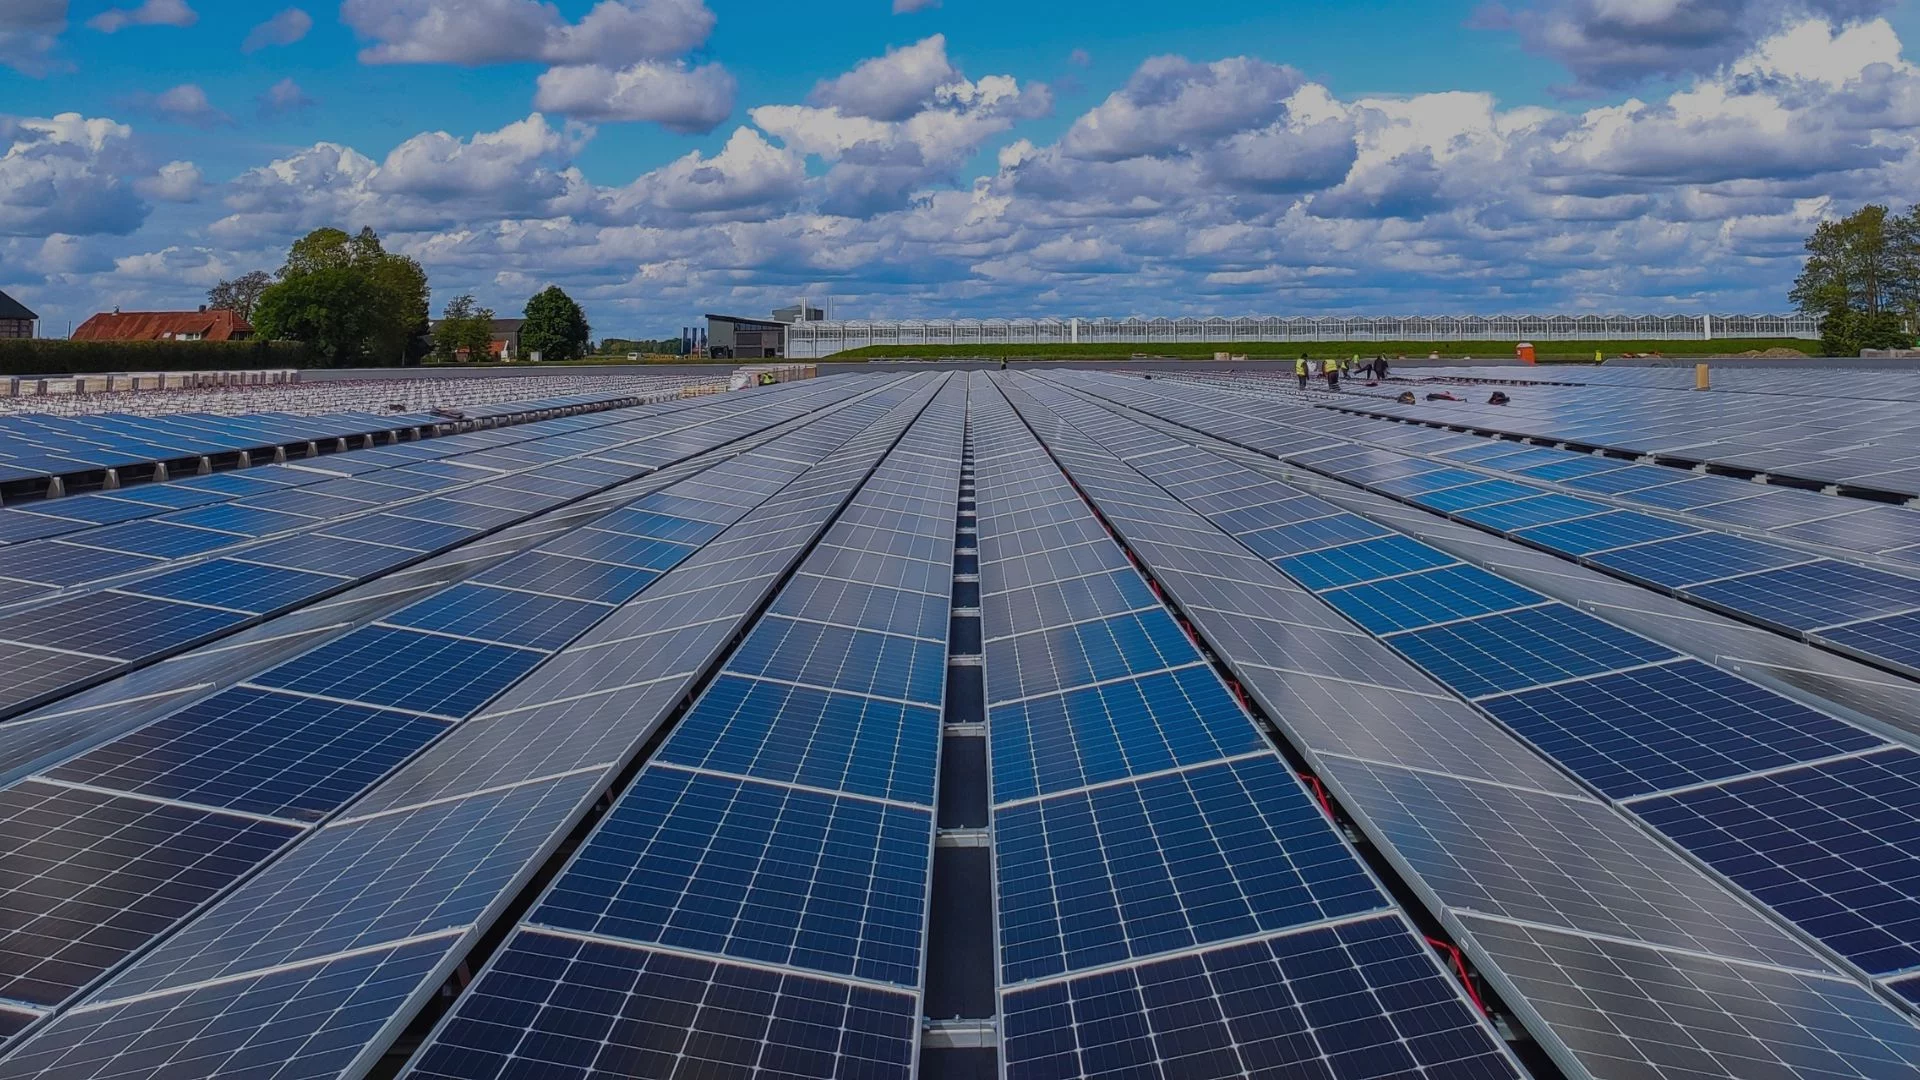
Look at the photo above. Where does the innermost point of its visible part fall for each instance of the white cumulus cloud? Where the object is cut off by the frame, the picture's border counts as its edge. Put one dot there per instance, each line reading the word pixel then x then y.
pixel 674 95
pixel 284 28
pixel 149 13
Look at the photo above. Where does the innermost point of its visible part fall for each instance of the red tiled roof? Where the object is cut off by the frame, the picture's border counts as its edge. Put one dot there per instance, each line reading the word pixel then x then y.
pixel 218 325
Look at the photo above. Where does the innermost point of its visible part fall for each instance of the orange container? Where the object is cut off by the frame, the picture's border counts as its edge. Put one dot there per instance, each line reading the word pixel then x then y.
pixel 1524 351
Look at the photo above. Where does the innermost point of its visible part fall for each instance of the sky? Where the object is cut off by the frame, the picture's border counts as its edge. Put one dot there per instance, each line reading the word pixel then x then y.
pixel 660 159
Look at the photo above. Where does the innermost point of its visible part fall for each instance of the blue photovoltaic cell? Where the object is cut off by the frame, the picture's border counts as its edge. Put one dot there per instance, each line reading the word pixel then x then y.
pixel 1438 480
pixel 307 1021
pixel 1485 493
pixel 754 871
pixel 1622 528
pixel 852 603
pixel 1907 988
pixel 329 555
pixel 245 586
pixel 1689 559
pixel 839 658
pixel 404 669
pixel 158 538
pixel 245 520
pixel 639 521
pixel 1570 467
pixel 635 551
pixel 403 532
pixel 257 751
pixel 579 579
pixel 1312 535
pixel 1655 728
pixel 1169 862
pixel 53 563
pixel 1818 594
pixel 1363 562
pixel 1539 510
pixel 97 509
pixel 1121 729
pixel 503 615
pixel 801 735
pixel 1497 653
pixel 558 1007
pixel 87 878
pixel 116 625
pixel 1616 481
pixel 170 496
pixel 1833 847
pixel 1895 639
pixel 19 526
pixel 1416 600
pixel 1357 1001
pixel 1047 660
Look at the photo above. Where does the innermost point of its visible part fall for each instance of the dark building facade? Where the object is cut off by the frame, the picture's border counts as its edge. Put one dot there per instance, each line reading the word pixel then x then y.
pixel 16 321
pixel 732 337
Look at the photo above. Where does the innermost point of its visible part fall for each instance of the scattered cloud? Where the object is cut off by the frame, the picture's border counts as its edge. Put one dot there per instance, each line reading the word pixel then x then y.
pixel 149 13
pixel 1614 44
pixel 175 182
pixel 1080 58
pixel 183 104
pixel 66 175
pixel 890 87
pixel 475 32
pixel 283 29
pixel 907 7
pixel 678 97
pixel 285 96
pixel 29 30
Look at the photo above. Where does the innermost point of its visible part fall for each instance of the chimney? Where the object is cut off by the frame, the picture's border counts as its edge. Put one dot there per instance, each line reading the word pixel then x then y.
pixel 203 309
pixel 116 309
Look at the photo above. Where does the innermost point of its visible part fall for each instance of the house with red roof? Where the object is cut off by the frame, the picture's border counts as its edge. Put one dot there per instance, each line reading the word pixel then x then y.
pixel 203 325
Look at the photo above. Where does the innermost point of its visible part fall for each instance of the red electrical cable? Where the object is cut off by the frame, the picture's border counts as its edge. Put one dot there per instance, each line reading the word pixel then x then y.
pixel 1460 969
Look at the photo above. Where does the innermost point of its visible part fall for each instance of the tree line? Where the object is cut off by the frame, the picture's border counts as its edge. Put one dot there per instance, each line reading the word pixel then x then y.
pixel 1862 277
pixel 354 303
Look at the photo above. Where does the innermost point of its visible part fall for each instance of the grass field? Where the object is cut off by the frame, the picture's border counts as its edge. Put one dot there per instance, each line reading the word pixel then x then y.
pixel 1547 350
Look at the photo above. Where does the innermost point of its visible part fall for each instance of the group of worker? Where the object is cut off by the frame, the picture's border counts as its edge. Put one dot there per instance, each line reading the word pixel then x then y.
pixel 1307 368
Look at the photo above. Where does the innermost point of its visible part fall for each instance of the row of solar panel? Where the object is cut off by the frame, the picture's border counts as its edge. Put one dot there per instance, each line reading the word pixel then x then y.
pixel 88 636
pixel 1870 612
pixel 36 445
pixel 298 741
pixel 313 959
pixel 1480 824
pixel 1856 441
pixel 1141 820
pixel 786 822
pixel 1634 719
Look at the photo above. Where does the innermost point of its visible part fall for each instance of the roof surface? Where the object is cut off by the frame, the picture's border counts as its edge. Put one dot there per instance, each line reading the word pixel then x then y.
pixel 14 309
pixel 212 325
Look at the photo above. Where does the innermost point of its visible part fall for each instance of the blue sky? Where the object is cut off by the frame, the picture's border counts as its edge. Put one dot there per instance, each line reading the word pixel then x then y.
pixel 972 157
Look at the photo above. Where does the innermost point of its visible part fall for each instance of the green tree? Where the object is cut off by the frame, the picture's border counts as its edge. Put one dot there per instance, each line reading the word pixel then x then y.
pixel 556 328
pixel 388 292
pixel 240 295
pixel 1844 331
pixel 1850 263
pixel 327 309
pixel 464 327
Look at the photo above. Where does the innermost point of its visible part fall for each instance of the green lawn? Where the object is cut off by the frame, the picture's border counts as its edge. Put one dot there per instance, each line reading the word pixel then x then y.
pixel 1548 350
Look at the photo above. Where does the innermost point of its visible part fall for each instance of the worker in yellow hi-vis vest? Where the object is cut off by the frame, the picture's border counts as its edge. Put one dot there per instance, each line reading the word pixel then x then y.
pixel 1334 364
pixel 1300 370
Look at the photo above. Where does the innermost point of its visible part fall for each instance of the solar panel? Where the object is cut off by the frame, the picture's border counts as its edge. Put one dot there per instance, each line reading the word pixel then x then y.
pixel 1497 654
pixel 1130 870
pixel 405 669
pixel 577 579
pixel 1429 597
pixel 1603 532
pixel 115 626
pixel 88 875
pixel 1817 594
pixel 1692 559
pixel 1363 562
pixel 1555 859
pixel 257 752
pixel 651 1013
pixel 501 616
pixel 1343 1002
pixel 1894 640
pixel 274 1020
pixel 364 881
pixel 1077 654
pixel 237 585
pixel 1648 729
pixel 845 658
pixel 1833 846
pixel 1643 1011
pixel 817 738
pixel 1538 510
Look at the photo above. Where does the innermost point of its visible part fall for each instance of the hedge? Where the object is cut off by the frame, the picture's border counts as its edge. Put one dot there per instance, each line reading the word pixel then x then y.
pixel 57 356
